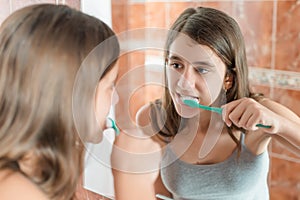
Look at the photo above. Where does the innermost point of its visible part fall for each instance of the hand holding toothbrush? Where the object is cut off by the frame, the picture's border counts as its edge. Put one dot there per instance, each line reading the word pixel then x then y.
pixel 194 104
pixel 285 124
pixel 247 113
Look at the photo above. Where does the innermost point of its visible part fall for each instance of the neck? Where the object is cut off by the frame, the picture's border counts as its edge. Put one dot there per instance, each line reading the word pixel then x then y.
pixel 207 121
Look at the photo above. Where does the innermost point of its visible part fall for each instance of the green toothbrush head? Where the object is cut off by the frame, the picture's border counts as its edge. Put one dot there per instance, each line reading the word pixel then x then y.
pixel 110 123
pixel 192 103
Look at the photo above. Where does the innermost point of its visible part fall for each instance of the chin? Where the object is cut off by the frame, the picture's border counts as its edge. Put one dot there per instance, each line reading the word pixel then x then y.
pixel 186 111
pixel 95 138
pixel 183 110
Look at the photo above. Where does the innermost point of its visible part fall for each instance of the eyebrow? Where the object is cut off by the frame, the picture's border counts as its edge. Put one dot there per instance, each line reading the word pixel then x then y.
pixel 206 63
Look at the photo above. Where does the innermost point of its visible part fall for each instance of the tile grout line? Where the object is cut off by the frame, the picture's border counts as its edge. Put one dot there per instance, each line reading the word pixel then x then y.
pixel 81 5
pixel 274 29
pixel 275 78
pixel 167 14
pixel 10 6
pixel 274 19
pixel 282 157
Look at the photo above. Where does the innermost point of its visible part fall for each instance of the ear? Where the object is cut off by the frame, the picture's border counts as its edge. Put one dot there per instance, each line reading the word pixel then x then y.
pixel 228 81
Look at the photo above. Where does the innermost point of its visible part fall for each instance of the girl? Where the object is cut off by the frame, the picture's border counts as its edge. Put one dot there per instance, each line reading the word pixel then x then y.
pixel 203 157
pixel 41 51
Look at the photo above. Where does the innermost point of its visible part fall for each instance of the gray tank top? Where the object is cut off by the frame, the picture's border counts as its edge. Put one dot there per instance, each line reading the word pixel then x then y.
pixel 244 178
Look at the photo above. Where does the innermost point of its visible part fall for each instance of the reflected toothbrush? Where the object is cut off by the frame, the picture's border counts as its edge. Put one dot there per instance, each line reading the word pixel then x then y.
pixel 110 123
pixel 194 104
pixel 162 197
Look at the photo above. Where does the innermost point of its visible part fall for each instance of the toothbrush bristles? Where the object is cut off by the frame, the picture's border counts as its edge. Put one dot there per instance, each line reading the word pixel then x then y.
pixel 183 98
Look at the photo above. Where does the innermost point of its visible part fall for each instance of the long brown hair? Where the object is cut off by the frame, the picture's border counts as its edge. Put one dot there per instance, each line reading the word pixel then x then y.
pixel 221 33
pixel 41 49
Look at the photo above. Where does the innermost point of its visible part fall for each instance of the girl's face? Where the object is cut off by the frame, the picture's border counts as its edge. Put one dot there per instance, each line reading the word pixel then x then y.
pixel 194 71
pixel 106 96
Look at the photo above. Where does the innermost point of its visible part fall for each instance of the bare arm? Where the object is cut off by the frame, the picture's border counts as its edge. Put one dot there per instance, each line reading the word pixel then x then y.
pixel 130 186
pixel 289 132
pixel 14 185
pixel 135 165
pixel 136 162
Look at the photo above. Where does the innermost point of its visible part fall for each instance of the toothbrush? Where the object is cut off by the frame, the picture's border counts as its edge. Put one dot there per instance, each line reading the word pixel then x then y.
pixel 110 123
pixel 162 197
pixel 194 104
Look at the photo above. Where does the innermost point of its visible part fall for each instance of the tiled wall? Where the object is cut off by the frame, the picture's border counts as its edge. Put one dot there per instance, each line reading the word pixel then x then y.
pixel 9 6
pixel 272 34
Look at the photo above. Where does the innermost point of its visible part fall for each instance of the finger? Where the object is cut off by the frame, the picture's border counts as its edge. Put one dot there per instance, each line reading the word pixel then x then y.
pixel 251 124
pixel 244 119
pixel 225 115
pixel 236 114
pixel 227 109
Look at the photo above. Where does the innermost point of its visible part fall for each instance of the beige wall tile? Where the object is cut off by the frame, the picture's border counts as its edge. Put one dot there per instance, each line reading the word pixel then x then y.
pixel 288 36
pixel 17 4
pixel 4 10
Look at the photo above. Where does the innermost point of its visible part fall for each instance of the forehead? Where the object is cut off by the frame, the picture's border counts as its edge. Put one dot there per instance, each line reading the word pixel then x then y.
pixel 191 51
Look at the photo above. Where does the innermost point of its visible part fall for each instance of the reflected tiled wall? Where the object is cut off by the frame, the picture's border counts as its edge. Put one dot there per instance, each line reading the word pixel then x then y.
pixel 272 34
pixel 9 6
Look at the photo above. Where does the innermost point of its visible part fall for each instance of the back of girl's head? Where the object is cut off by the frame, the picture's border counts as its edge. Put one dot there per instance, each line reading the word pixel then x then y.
pixel 41 50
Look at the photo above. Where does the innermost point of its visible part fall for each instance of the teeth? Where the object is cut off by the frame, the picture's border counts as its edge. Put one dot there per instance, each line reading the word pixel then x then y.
pixel 189 98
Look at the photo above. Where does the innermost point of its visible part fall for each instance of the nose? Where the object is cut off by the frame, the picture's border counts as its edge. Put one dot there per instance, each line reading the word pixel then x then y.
pixel 187 79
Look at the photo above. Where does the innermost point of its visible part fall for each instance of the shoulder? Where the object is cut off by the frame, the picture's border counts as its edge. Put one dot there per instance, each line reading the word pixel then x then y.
pixel 135 136
pixel 143 115
pixel 146 112
pixel 11 181
pixel 131 146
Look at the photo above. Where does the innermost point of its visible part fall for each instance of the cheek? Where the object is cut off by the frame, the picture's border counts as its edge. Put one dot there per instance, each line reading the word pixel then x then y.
pixel 172 78
pixel 103 103
pixel 214 85
pixel 114 97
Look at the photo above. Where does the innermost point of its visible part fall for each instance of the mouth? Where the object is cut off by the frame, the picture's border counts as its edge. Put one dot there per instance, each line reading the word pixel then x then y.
pixel 182 97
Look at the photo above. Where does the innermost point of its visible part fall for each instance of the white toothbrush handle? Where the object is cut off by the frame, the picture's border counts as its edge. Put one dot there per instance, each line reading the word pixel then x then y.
pixel 163 197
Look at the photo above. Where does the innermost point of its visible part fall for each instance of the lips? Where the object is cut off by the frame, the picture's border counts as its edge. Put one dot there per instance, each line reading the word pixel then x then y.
pixel 181 97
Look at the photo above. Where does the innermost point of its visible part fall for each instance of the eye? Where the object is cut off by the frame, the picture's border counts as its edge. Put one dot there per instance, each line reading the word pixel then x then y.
pixel 202 70
pixel 175 65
